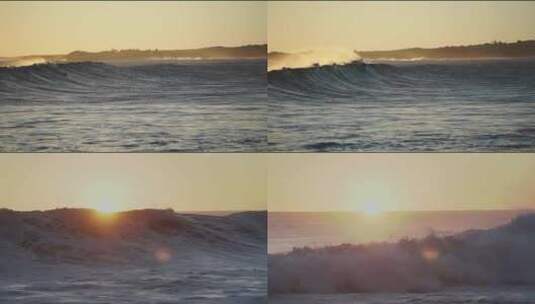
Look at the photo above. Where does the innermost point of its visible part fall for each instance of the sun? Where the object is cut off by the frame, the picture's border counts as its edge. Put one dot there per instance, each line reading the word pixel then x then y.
pixel 106 207
pixel 372 208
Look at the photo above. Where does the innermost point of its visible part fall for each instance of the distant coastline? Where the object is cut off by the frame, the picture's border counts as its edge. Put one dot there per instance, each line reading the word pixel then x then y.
pixel 217 52
pixel 496 49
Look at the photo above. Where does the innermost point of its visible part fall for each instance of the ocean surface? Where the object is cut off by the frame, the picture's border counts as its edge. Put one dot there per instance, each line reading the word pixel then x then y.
pixel 495 295
pixel 146 256
pixel 154 106
pixel 446 106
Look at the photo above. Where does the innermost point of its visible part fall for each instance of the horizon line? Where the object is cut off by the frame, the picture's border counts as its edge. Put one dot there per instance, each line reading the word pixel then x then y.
pixel 139 49
pixel 135 209
pixel 408 48
pixel 405 210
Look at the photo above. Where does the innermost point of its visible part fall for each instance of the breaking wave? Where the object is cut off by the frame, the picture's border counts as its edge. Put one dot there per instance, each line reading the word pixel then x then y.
pixel 22 62
pixel 469 81
pixel 498 256
pixel 140 256
pixel 405 106
pixel 278 61
pixel 334 81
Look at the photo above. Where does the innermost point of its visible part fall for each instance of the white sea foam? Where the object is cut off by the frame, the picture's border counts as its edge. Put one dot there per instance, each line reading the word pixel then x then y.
pixel 23 62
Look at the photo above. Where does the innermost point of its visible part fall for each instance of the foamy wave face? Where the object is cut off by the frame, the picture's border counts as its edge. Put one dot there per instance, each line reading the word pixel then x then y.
pixel 307 59
pixel 500 256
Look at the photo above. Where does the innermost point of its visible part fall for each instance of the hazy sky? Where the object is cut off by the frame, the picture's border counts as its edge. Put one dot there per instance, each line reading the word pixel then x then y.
pixel 286 182
pixel 192 182
pixel 357 182
pixel 298 26
pixel 61 27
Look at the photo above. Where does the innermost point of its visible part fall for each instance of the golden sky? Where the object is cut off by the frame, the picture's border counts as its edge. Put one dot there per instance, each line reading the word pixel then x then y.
pixel 110 182
pixel 379 182
pixel 28 28
pixel 279 182
pixel 368 25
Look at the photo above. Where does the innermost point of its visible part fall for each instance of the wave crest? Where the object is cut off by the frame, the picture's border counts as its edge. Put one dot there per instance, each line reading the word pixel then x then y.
pixel 278 61
pixel 335 81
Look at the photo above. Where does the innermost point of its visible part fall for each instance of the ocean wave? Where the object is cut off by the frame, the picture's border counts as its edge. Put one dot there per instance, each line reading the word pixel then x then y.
pixel 83 256
pixel 205 105
pixel 355 79
pixel 49 80
pixel 498 256
pixel 418 106
pixel 97 81
pixel 385 81
pixel 85 236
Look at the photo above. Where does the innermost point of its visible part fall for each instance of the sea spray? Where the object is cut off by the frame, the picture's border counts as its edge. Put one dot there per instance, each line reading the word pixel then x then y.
pixel 497 256
pixel 277 61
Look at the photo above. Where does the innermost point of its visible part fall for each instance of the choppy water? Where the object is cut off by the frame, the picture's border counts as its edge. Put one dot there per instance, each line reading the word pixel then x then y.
pixel 202 281
pixel 484 105
pixel 495 295
pixel 155 106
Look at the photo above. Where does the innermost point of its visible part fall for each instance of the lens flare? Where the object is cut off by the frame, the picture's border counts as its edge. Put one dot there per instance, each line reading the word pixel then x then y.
pixel 163 255
pixel 430 254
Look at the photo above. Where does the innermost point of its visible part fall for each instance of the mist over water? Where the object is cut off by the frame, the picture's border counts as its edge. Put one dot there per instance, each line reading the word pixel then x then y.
pixel 10 63
pixel 426 105
pixel 318 229
pixel 310 58
pixel 211 105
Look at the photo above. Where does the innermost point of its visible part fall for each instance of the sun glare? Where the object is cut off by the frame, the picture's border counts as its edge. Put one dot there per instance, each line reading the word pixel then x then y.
pixel 106 207
pixel 430 254
pixel 371 208
pixel 106 196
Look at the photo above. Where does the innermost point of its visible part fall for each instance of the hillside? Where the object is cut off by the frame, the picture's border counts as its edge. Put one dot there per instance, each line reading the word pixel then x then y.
pixel 218 52
pixel 486 50
pixel 519 49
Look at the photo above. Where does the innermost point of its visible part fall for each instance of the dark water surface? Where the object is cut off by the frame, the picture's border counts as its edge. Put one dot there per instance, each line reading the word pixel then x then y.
pixel 484 105
pixel 155 106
